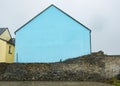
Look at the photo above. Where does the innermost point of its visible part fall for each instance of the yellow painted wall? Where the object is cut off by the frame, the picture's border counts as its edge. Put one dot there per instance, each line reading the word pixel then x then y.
pixel 5 35
pixel 10 53
pixel 5 56
pixel 2 51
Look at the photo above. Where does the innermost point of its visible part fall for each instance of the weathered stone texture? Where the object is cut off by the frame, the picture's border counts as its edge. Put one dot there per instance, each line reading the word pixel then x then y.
pixel 93 67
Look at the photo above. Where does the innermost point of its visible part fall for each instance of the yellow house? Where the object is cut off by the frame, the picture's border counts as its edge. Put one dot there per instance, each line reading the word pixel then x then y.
pixel 6 46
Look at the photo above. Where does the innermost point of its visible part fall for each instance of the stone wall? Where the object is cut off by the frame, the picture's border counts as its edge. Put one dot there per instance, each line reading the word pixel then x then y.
pixel 93 67
pixel 112 66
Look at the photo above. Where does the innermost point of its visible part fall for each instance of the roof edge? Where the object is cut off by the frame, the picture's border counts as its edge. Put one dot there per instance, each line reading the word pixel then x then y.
pixel 33 18
pixel 7 41
pixel 45 10
pixel 9 32
pixel 72 18
pixel 4 30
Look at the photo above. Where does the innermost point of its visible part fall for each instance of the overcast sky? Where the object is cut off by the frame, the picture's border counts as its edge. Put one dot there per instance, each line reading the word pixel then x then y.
pixel 101 16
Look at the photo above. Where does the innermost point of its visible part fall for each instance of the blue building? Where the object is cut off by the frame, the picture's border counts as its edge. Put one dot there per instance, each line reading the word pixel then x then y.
pixel 51 36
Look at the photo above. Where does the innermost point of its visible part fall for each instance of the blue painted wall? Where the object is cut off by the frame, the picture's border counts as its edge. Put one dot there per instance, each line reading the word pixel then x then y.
pixel 51 36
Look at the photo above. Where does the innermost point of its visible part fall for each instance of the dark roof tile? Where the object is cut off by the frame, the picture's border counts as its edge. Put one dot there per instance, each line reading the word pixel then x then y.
pixel 2 30
pixel 12 41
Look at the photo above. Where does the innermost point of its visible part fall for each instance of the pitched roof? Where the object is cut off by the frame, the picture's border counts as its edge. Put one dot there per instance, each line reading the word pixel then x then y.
pixel 56 8
pixel 12 41
pixel 2 30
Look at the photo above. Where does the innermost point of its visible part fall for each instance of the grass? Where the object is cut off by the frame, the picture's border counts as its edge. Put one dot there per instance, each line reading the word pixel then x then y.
pixel 116 82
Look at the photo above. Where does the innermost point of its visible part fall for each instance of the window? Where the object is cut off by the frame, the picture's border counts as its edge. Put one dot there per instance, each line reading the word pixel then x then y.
pixel 10 50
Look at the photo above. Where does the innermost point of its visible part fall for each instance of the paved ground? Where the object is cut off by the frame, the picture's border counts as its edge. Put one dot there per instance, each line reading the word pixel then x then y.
pixel 45 83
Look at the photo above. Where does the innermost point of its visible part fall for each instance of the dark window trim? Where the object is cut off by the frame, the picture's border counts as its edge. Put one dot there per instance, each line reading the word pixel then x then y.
pixel 10 50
